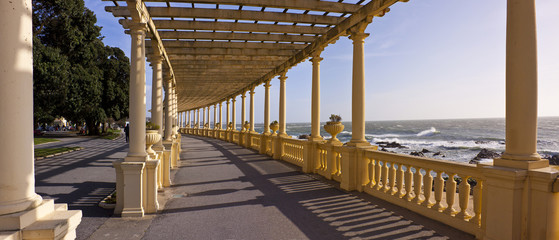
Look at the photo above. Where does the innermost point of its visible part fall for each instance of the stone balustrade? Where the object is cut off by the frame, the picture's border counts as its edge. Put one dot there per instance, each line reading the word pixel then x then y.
pixel 445 191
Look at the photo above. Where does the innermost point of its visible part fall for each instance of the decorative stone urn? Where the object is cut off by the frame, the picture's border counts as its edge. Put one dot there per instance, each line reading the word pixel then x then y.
pixel 334 128
pixel 247 126
pixel 207 125
pixel 152 137
pixel 274 127
pixel 230 126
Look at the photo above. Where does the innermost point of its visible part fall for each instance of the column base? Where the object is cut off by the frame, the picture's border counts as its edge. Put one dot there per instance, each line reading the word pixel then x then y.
pixel 284 135
pixel 521 164
pixel 46 221
pixel 316 139
pixel 136 158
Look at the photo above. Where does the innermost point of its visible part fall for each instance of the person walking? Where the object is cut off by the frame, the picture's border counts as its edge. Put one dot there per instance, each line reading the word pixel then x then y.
pixel 126 131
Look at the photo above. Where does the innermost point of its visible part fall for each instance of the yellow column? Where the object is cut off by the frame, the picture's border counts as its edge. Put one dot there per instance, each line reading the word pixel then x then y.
pixel 220 117
pixel 251 110
pixel 227 115
pixel 267 86
pixel 208 116
pixel 17 178
pixel 282 105
pixel 234 114
pixel 215 116
pixel 521 88
pixel 137 104
pixel 168 117
pixel 243 109
pixel 358 85
pixel 157 96
pixel 315 106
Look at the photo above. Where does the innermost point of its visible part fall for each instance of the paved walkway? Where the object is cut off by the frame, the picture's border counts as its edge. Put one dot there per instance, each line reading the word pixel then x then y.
pixel 223 191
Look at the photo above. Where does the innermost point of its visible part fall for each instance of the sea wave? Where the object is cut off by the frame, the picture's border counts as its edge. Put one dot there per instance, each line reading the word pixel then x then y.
pixel 428 132
pixel 461 144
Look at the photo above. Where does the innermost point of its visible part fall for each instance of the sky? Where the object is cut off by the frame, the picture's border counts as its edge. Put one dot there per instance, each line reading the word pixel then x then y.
pixel 429 59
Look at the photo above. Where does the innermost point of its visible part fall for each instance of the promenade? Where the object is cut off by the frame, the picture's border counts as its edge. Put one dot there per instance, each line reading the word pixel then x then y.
pixel 224 191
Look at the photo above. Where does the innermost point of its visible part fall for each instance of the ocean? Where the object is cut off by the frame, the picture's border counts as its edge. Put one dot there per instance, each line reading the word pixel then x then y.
pixel 457 140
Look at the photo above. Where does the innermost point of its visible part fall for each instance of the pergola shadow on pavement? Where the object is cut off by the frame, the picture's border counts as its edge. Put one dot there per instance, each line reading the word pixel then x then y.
pixel 224 191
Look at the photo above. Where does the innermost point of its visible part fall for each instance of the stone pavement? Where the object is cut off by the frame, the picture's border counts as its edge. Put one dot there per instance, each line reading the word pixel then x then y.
pixel 224 191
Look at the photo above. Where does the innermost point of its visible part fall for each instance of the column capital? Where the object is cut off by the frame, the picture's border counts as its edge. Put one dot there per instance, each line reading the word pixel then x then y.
pixel 155 59
pixel 233 100
pixel 357 32
pixel 243 95
pixel 316 58
pixel 267 84
pixel 251 92
pixel 283 77
pixel 138 28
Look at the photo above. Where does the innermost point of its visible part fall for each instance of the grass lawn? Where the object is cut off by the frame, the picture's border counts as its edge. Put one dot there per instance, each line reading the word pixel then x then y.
pixel 111 134
pixel 43 140
pixel 48 151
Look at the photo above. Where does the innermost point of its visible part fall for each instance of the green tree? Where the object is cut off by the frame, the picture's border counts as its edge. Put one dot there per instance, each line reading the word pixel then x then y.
pixel 77 76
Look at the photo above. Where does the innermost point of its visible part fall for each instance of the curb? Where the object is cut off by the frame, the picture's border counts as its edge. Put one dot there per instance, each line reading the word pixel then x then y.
pixel 57 154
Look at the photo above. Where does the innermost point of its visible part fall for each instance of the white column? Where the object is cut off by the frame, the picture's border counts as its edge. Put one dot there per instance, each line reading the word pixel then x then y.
pixel 168 109
pixel 243 109
pixel 358 86
pixel 220 117
pixel 208 116
pixel 234 114
pixel 251 110
pixel 521 88
pixel 17 178
pixel 157 94
pixel 137 95
pixel 215 116
pixel 198 118
pixel 267 86
pixel 227 114
pixel 282 106
pixel 315 105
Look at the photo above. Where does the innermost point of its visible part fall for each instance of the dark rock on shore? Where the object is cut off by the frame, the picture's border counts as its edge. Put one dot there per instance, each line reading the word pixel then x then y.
pixel 419 154
pixel 425 150
pixel 553 159
pixel 390 145
pixel 303 136
pixel 438 154
pixel 484 154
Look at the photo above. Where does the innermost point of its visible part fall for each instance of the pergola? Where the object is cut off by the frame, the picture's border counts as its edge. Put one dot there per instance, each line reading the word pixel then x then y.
pixel 216 50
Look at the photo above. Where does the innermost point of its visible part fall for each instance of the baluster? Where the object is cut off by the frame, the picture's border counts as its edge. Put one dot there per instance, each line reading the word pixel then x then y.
pixel 477 202
pixel 339 163
pixel 385 176
pixel 378 174
pixel 439 187
pixel 400 180
pixel 409 175
pixel 427 188
pixel 392 179
pixel 450 194
pixel 464 198
pixel 417 182
pixel 371 169
pixel 365 178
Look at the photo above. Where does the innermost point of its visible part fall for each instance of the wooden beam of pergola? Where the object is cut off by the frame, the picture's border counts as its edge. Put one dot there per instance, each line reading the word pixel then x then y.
pixel 228 51
pixel 176 12
pixel 235 36
pixel 211 63
pixel 227 57
pixel 311 5
pixel 232 26
pixel 224 44
pixel 188 67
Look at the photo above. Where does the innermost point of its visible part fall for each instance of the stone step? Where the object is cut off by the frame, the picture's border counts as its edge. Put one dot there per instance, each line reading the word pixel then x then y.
pixel 58 225
pixel 19 220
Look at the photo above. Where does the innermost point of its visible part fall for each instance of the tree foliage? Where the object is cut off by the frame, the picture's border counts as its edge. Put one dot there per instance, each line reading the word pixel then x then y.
pixel 75 74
